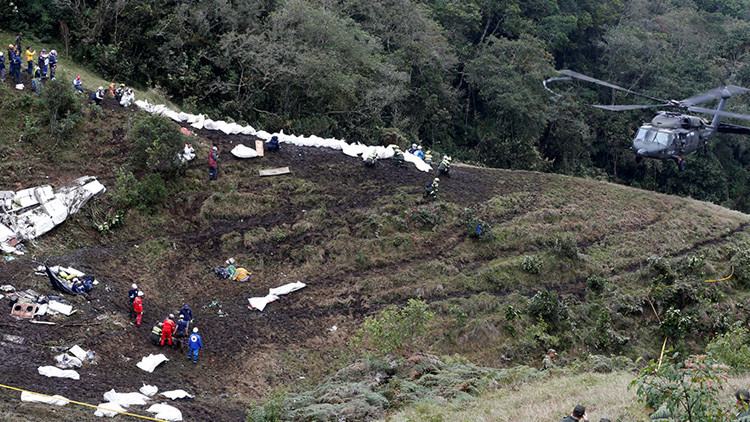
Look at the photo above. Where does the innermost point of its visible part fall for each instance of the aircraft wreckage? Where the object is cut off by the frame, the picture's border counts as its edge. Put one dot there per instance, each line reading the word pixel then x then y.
pixel 29 213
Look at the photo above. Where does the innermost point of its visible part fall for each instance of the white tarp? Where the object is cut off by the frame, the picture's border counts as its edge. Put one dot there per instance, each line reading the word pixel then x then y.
pixel 165 412
pixel 260 303
pixel 200 122
pixel 150 362
pixel 241 151
pixel 78 352
pixel 36 398
pixel 111 406
pixel 125 399
pixel 287 288
pixel 53 371
pixel 55 306
pixel 176 395
pixel 149 390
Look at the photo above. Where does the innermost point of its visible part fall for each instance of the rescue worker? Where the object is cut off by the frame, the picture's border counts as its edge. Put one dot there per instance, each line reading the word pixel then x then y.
pixel 273 144
pixel 155 335
pixel 78 83
pixel 138 308
pixel 547 362
pixel 371 159
pixel 187 313
pixel 30 59
pixel 412 149
pixel 11 50
pixel 18 42
pixel 112 89
pixel 2 67
pixel 36 80
pixel 15 67
pixel 445 166
pixel 213 164
pixel 419 152
pixel 182 327
pixel 579 414
pixel 431 189
pixel 398 155
pixel 98 95
pixel 127 98
pixel 133 293
pixel 119 92
pixel 43 62
pixel 168 328
pixel 52 64
pixel 428 157
pixel 743 401
pixel 194 345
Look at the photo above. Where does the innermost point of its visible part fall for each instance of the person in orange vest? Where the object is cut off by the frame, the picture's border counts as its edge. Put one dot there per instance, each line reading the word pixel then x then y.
pixel 167 329
pixel 138 308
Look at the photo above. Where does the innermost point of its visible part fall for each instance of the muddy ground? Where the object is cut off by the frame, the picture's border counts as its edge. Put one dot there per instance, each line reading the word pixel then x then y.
pixel 240 360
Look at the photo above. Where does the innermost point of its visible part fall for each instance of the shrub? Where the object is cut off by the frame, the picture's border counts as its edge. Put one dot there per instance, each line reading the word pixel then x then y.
pixel 547 306
pixel 125 193
pixel 156 141
pixel 732 348
pixel 595 284
pixel 532 264
pixel 395 329
pixel 690 390
pixel 62 108
pixel 151 191
pixel 273 410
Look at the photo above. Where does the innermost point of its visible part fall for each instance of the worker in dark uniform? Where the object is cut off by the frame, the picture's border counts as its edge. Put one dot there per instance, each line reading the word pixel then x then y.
pixel 578 415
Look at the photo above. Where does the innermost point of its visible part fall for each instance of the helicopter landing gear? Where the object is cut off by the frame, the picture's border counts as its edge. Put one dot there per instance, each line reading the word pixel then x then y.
pixel 680 164
pixel 705 148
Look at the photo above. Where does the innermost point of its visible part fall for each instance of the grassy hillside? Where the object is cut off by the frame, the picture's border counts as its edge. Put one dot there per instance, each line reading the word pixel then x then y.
pixel 578 265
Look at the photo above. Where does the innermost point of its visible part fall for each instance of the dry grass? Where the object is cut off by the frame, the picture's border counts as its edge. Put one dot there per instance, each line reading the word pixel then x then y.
pixel 604 395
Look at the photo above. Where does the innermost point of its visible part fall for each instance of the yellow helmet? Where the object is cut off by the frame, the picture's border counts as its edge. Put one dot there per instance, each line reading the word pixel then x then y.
pixel 437 180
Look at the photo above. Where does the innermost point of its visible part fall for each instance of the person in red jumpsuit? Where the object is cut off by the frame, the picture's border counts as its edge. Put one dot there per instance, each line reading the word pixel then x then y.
pixel 168 329
pixel 138 308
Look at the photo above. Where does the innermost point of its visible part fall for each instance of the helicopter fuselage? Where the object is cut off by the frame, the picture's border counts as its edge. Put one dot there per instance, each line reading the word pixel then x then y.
pixel 671 136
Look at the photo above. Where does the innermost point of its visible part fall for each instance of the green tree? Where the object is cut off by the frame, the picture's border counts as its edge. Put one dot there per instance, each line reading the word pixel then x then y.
pixel 395 329
pixel 155 140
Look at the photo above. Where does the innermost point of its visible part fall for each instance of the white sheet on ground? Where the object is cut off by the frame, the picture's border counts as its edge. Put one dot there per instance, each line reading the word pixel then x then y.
pixel 241 151
pixel 125 399
pixel 287 288
pixel 36 398
pixel 111 406
pixel 53 371
pixel 78 352
pixel 260 303
pixel 150 362
pixel 176 394
pixel 165 412
pixel 149 390
pixel 55 306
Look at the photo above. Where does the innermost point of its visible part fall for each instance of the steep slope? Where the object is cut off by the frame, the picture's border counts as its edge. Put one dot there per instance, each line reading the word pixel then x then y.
pixel 361 239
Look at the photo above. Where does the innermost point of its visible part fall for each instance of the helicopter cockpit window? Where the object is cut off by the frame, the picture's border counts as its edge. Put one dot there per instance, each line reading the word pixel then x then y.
pixel 662 138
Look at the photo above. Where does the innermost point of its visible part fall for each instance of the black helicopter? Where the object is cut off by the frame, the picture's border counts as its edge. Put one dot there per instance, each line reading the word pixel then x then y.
pixel 672 134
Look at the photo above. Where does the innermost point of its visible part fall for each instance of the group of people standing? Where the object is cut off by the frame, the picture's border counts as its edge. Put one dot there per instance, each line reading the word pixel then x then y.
pixel 164 332
pixel 39 67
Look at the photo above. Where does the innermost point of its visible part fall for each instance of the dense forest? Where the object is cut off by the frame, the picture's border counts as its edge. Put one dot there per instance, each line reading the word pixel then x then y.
pixel 459 76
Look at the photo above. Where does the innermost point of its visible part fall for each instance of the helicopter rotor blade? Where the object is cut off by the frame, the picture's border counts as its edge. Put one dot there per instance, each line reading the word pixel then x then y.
pixel 627 107
pixel 583 77
pixel 714 94
pixel 720 113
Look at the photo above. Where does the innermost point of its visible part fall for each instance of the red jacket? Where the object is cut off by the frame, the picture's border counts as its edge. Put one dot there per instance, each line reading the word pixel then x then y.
pixel 168 327
pixel 138 304
pixel 212 159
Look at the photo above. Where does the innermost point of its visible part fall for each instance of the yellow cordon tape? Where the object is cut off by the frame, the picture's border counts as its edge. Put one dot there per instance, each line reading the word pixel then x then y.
pixel 662 353
pixel 85 404
pixel 722 279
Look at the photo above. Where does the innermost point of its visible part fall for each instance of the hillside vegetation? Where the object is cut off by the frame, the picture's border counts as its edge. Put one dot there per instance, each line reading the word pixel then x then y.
pixel 582 266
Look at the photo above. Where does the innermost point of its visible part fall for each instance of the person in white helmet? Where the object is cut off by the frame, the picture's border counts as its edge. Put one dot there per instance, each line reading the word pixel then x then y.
pixel 194 345
pixel 98 96
pixel 132 294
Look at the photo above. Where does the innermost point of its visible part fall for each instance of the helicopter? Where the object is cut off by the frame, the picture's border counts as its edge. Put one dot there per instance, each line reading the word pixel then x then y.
pixel 671 134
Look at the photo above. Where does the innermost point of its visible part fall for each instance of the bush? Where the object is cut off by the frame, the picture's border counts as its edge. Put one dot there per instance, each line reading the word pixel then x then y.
pixel 532 264
pixel 125 193
pixel 547 306
pixel 690 390
pixel 62 108
pixel 156 141
pixel 395 329
pixel 151 191
pixel 273 410
pixel 732 348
